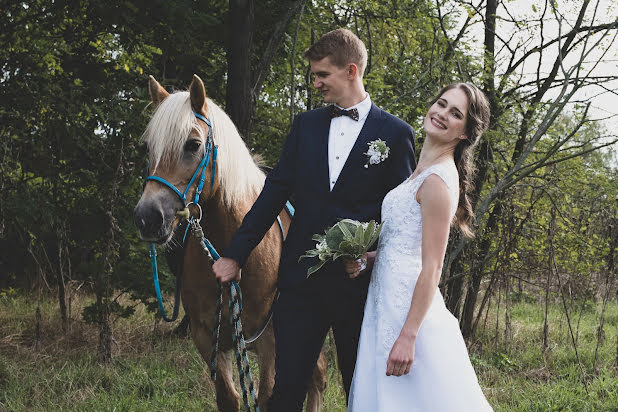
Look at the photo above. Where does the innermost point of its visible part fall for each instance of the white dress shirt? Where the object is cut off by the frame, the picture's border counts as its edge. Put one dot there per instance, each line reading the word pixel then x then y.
pixel 342 136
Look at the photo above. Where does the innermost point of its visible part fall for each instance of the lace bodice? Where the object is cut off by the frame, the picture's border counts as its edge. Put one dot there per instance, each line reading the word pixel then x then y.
pixel 398 262
pixel 401 213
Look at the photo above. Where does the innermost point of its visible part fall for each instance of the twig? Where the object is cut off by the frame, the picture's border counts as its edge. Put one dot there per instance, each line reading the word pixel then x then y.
pixel 554 268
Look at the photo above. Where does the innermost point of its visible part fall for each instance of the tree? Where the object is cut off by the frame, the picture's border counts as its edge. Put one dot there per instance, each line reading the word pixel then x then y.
pixel 248 66
pixel 527 103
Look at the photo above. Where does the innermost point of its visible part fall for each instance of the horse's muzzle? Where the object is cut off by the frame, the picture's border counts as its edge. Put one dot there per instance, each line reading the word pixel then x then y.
pixel 151 222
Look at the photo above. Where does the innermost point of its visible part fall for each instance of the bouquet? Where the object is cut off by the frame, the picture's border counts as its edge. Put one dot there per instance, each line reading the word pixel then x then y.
pixel 349 238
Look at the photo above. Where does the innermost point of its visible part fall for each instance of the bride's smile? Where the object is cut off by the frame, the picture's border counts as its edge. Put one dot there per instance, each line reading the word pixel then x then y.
pixel 446 118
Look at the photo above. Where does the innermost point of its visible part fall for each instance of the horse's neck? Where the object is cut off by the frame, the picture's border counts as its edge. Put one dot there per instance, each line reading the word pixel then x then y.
pixel 221 221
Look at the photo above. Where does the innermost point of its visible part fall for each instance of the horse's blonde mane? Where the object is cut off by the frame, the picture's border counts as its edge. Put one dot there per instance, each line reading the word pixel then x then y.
pixel 237 174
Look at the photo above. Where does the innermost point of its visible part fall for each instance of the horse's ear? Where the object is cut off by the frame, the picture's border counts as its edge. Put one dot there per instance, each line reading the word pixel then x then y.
pixel 198 95
pixel 157 92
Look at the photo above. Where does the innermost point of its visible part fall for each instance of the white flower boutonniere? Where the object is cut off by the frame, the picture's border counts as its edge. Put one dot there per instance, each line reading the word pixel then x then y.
pixel 378 152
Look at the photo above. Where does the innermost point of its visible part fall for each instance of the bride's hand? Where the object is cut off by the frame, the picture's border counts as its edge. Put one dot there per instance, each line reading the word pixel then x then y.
pixel 401 357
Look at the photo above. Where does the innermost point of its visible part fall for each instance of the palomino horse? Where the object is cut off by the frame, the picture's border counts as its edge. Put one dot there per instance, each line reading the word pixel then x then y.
pixel 176 139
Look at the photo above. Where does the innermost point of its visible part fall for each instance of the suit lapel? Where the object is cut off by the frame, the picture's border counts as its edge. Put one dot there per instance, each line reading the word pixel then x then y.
pixel 356 157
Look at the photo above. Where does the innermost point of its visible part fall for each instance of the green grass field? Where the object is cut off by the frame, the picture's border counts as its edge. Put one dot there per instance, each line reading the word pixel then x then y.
pixel 155 370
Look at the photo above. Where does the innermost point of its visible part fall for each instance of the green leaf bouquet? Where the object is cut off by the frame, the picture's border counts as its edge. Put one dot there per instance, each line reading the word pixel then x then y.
pixel 349 238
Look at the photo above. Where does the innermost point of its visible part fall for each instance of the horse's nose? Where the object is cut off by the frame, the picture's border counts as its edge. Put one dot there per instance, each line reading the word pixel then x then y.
pixel 148 220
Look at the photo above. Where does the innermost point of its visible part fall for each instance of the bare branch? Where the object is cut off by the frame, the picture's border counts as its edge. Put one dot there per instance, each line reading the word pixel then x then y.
pixel 273 44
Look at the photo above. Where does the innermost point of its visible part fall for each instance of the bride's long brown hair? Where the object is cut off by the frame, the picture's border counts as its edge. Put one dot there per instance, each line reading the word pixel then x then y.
pixel 478 117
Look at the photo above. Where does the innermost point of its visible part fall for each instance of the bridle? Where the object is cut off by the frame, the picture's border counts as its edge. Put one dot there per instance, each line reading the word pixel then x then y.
pixel 201 171
pixel 185 213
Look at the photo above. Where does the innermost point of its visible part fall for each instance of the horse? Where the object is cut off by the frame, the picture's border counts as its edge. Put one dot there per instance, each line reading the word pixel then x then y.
pixel 177 139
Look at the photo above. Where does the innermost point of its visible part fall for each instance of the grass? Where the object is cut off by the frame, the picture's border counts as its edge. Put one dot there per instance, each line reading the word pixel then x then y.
pixel 518 375
pixel 155 370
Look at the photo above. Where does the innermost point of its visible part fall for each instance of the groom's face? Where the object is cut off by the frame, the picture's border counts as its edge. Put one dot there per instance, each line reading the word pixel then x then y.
pixel 332 81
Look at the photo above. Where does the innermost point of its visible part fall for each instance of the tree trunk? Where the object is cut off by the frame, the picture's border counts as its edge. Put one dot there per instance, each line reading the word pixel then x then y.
pixel 609 272
pixel 483 159
pixel 109 257
pixel 486 298
pixel 240 103
pixel 455 286
pixel 476 273
pixel 496 334
pixel 37 327
pixel 486 314
pixel 293 66
pixel 61 286
pixel 105 331
pixel 550 233
pixel 308 85
pixel 243 82
pixel 508 330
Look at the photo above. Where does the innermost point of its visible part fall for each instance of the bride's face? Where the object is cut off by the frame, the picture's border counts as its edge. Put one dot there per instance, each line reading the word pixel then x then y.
pixel 446 118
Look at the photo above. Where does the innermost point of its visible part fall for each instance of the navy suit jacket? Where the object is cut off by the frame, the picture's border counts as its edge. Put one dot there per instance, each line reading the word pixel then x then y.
pixel 303 172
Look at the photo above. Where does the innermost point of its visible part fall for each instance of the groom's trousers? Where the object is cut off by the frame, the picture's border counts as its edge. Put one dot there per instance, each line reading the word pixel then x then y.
pixel 302 317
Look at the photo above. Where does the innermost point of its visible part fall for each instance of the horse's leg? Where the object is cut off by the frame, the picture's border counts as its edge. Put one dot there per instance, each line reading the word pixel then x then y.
pixel 228 399
pixel 315 394
pixel 265 349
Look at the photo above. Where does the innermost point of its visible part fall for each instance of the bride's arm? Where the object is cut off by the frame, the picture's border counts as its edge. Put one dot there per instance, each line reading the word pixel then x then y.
pixel 435 204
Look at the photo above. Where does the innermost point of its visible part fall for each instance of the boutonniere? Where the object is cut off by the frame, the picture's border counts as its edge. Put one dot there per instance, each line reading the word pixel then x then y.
pixel 378 152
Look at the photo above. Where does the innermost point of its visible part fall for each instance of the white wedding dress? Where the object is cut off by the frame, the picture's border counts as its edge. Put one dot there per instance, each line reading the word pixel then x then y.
pixel 442 377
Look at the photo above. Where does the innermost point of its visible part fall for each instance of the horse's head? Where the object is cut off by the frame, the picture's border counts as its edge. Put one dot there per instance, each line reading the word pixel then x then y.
pixel 180 144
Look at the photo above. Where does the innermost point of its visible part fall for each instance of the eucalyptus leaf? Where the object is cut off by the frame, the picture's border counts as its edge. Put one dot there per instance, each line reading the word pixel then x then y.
pixel 369 233
pixel 334 236
pixel 359 236
pixel 315 268
pixel 343 226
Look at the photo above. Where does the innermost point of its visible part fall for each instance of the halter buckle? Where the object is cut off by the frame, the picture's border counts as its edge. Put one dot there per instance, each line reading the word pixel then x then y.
pixel 186 212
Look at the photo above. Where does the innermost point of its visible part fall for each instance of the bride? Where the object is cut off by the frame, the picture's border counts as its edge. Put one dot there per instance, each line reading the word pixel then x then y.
pixel 411 355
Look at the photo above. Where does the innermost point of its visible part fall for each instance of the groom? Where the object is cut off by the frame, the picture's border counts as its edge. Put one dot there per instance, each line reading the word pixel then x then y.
pixel 325 166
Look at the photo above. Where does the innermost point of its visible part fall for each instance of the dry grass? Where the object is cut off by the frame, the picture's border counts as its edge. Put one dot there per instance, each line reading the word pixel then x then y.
pixel 156 370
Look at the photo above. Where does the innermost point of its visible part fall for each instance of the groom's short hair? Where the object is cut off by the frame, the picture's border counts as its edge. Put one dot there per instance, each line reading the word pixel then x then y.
pixel 342 46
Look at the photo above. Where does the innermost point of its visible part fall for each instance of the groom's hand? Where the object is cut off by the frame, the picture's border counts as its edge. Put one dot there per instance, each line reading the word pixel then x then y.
pixel 353 267
pixel 226 270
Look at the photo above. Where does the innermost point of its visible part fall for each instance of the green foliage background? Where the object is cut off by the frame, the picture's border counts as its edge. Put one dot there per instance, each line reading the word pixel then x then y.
pixel 74 103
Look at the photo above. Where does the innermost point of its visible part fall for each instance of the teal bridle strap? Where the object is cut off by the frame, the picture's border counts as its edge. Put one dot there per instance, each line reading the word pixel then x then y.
pixel 201 171
pixel 155 275
pixel 182 196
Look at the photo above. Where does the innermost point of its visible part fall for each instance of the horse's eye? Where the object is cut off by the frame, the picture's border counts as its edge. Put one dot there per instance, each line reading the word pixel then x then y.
pixel 192 146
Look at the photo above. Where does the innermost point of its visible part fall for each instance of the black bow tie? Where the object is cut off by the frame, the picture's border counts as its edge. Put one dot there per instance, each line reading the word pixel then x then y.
pixel 336 112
